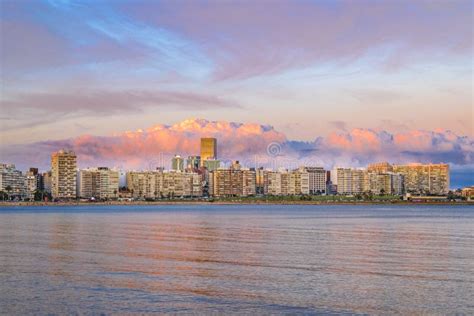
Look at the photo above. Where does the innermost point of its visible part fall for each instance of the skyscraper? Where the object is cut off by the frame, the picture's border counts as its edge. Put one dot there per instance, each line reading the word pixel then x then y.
pixel 208 149
pixel 63 174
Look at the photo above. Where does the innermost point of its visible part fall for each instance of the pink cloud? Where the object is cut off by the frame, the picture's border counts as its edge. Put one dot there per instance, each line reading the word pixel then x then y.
pixel 152 147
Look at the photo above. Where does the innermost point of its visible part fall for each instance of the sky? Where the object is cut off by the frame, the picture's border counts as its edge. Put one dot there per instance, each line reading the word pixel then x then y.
pixel 129 83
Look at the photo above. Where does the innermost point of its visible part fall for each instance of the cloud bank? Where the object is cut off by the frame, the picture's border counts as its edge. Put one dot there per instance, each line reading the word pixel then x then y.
pixel 250 143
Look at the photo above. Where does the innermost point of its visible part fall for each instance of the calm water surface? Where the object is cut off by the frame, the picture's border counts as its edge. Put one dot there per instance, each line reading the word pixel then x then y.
pixel 237 259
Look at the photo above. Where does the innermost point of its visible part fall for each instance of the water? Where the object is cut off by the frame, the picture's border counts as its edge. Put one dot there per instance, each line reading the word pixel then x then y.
pixel 237 259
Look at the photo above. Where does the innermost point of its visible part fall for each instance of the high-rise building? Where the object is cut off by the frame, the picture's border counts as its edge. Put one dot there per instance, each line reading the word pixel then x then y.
pixel 425 178
pixel 284 182
pixel 317 179
pixel 298 183
pixel 177 163
pixel 234 181
pixel 248 182
pixel 350 181
pixel 226 182
pixel 63 174
pixel 159 184
pixel 261 181
pixel 385 183
pixel 274 185
pixel 31 184
pixel 47 181
pixel 12 181
pixel 208 149
pixel 39 178
pixel 99 183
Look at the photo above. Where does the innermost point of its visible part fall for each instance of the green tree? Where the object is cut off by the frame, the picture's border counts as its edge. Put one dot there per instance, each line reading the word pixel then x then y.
pixel 451 196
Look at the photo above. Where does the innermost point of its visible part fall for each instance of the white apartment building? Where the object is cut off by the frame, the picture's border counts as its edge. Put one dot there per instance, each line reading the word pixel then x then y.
pixel 99 183
pixel 350 181
pixel 317 179
pixel 12 181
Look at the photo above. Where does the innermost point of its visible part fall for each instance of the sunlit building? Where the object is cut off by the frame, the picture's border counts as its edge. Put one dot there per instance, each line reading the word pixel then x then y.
pixel 63 174
pixel 317 179
pixel 350 181
pixel 274 186
pixel 298 183
pixel 425 178
pixel 380 167
pixel 99 183
pixel 208 149
pixel 233 181
pixel 159 184
pixel 261 181
pixel 386 183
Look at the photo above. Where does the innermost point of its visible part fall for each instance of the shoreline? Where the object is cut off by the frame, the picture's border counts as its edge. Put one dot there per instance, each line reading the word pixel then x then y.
pixel 158 203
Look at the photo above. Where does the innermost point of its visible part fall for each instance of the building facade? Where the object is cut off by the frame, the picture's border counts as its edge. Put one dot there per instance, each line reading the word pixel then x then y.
pixel 380 167
pixel 261 181
pixel 425 178
pixel 31 184
pixel 208 149
pixel 234 181
pixel 158 184
pixel 350 181
pixel 386 183
pixel 100 183
pixel 63 174
pixel 47 181
pixel 12 181
pixel 317 179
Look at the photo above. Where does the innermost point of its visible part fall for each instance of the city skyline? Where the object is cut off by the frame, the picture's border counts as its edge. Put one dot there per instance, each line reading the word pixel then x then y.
pixel 252 144
pixel 211 179
pixel 334 82
pixel 302 157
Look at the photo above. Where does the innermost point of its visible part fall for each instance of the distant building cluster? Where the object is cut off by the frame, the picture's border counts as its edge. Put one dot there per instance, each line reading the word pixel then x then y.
pixel 199 176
